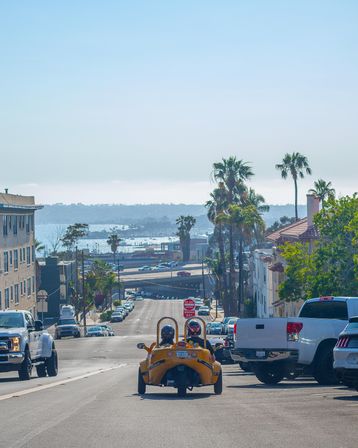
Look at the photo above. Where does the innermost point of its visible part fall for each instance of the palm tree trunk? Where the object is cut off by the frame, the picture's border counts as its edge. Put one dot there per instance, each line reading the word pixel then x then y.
pixel 233 295
pixel 296 199
pixel 241 276
pixel 223 269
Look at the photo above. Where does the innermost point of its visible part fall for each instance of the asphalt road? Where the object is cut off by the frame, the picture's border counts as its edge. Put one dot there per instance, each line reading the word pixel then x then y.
pixel 84 408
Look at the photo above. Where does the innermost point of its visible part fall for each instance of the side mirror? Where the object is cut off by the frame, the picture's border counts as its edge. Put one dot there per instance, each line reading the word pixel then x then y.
pixel 141 345
pixel 39 325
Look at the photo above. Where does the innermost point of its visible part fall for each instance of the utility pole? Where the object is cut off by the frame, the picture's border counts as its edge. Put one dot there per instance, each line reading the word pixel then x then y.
pixel 203 277
pixel 84 293
pixel 119 280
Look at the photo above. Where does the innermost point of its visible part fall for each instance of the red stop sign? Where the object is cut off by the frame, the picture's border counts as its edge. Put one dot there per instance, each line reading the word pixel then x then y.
pixel 189 305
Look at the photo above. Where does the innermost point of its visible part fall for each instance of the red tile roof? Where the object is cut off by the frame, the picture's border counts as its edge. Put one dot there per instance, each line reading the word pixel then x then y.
pixel 293 232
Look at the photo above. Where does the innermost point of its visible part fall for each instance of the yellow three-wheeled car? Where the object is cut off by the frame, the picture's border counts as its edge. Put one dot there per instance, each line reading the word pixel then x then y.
pixel 182 365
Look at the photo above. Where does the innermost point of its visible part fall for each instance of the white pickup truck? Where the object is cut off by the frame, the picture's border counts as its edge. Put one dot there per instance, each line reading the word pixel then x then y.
pixel 278 348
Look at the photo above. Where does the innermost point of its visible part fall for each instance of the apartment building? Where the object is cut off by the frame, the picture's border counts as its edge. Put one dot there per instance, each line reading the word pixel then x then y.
pixel 17 252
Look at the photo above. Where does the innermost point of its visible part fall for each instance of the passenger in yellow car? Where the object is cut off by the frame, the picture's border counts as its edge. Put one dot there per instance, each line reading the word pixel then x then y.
pixel 194 331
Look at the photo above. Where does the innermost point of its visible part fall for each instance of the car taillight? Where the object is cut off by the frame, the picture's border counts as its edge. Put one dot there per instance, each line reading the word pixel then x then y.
pixel 343 342
pixel 293 330
pixel 235 326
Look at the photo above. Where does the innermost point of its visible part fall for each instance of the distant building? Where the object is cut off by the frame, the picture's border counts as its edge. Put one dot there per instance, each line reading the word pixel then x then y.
pixel 57 278
pixel 198 249
pixel 17 252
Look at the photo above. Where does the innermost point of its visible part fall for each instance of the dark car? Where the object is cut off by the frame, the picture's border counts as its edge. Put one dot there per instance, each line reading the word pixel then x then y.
pixel 215 328
pixel 183 274
pixel 117 317
pixel 204 311
pixel 67 327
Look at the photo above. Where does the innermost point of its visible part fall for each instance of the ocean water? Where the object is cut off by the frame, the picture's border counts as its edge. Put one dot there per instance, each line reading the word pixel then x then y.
pixel 47 234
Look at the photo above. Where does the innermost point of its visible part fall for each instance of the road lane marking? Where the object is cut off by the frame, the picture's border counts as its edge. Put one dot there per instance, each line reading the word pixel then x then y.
pixel 58 383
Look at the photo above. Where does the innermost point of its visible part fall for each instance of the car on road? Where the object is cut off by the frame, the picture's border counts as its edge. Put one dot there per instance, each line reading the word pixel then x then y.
pixel 123 310
pixel 67 327
pixel 108 328
pixel 145 268
pixel 204 311
pixel 24 343
pixel 278 348
pixel 214 328
pixel 117 317
pixel 183 274
pixel 346 355
pixel 225 322
pixel 139 298
pixel 96 331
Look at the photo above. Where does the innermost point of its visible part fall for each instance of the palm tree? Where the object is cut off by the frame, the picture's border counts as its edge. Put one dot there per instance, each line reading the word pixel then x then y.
pixel 113 241
pixel 323 190
pixel 297 165
pixel 251 198
pixel 247 220
pixel 39 246
pixel 185 224
pixel 233 173
pixel 216 207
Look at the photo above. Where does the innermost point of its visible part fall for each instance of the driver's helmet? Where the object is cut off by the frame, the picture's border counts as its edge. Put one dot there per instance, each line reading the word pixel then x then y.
pixel 194 328
pixel 167 333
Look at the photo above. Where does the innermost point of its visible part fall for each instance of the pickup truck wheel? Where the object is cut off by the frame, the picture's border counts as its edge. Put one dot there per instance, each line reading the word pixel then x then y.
pixel 324 373
pixel 41 370
pixel 52 364
pixel 25 368
pixel 218 386
pixel 141 384
pixel 269 374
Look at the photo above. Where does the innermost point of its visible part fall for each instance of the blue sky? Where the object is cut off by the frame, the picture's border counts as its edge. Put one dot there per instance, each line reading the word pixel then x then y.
pixel 132 101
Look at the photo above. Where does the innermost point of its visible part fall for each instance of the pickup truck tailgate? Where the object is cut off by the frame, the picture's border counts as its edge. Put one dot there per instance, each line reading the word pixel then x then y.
pixel 256 333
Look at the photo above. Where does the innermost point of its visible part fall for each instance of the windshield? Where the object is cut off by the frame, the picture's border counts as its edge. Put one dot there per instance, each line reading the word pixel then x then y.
pixel 67 322
pixel 11 320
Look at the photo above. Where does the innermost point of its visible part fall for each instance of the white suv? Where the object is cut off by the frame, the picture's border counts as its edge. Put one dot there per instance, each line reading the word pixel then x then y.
pixel 346 354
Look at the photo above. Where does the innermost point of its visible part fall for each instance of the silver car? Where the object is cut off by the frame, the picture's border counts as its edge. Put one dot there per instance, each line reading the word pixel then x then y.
pixel 346 354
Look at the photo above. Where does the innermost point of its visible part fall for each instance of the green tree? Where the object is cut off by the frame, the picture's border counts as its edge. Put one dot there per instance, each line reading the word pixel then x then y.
pixel 247 221
pixel 297 165
pixel 323 190
pixel 39 246
pixel 216 207
pixel 232 173
pixel 185 224
pixel 72 234
pixel 298 272
pixel 113 241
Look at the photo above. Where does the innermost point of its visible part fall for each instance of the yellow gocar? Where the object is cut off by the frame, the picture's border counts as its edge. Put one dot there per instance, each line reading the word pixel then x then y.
pixel 182 365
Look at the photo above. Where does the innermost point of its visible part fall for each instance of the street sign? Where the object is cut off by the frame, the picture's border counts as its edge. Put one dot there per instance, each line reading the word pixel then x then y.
pixel 189 308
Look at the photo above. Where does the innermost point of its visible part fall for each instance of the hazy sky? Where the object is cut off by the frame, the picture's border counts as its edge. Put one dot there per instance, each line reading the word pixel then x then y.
pixel 132 101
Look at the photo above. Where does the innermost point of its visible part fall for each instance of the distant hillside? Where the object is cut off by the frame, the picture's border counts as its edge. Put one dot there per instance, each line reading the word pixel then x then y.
pixel 131 214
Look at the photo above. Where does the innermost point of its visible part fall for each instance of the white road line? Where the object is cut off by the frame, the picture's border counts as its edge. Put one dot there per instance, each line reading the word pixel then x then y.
pixel 58 383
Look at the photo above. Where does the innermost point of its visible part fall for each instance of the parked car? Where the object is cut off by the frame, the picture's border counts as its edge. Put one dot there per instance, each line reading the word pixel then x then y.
pixel 67 327
pixel 96 331
pixel 214 328
pixel 230 326
pixel 108 328
pixel 24 343
pixel 139 298
pixel 204 311
pixel 284 347
pixel 225 322
pixel 346 354
pixel 117 317
pixel 183 274
pixel 123 310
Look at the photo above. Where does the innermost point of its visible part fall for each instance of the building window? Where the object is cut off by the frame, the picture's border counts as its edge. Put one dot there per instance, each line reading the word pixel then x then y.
pixel 16 294
pixel 23 255
pixel 11 293
pixel 6 262
pixel 10 257
pixel 16 259
pixel 29 286
pixel 33 254
pixel 28 256
pixel 24 287
pixel 27 223
pixel 14 226
pixel 4 225
pixel 21 292
pixel 33 284
pixel 7 298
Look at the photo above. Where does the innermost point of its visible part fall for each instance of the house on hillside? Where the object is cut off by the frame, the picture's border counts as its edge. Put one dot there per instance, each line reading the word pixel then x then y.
pixel 267 266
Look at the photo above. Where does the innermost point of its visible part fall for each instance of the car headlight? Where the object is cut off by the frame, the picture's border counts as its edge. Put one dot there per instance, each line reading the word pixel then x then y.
pixel 15 344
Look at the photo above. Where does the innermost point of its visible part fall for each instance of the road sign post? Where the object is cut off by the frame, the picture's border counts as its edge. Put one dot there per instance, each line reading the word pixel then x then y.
pixel 189 308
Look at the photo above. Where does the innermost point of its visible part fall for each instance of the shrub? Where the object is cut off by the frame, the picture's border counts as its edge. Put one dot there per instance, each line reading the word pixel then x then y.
pixel 106 316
